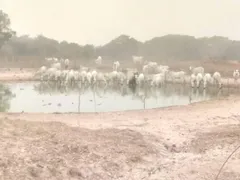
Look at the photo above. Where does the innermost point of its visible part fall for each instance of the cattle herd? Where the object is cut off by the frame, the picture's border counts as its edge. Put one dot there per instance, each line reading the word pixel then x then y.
pixel 150 74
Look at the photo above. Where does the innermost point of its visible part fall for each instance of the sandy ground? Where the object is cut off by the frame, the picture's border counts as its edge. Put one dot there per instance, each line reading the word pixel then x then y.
pixel 176 143
pixel 16 74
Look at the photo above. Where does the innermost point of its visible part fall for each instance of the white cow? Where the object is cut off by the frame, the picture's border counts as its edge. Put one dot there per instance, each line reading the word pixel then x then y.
pixel 177 75
pixel 41 72
pixel 70 79
pixel 77 76
pixel 94 76
pixel 140 79
pixel 55 60
pixel 162 69
pixel 56 65
pixel 66 63
pixel 137 59
pixel 64 74
pixel 199 79
pixel 89 77
pixel 197 70
pixel 236 75
pixel 48 59
pixel 52 59
pixel 116 77
pixel 207 79
pixel 121 77
pixel 217 79
pixel 98 61
pixel 51 73
pixel 150 68
pixel 83 75
pixel 158 80
pixel 58 76
pixel 145 69
pixel 116 66
pixel 193 79
pixel 100 78
pixel 113 77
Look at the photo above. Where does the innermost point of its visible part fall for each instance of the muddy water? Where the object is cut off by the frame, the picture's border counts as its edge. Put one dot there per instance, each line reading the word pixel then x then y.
pixel 28 97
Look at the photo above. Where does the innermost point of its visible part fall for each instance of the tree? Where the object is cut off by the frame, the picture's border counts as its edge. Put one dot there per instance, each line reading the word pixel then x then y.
pixel 161 49
pixel 122 47
pixel 88 52
pixel 5 97
pixel 46 47
pixel 5 31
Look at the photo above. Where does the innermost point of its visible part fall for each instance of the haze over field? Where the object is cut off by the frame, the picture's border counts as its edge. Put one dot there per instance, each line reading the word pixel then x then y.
pixel 98 22
pixel 118 55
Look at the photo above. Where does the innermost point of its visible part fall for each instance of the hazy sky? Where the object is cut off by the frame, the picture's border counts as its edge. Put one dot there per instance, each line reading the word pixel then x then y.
pixel 99 21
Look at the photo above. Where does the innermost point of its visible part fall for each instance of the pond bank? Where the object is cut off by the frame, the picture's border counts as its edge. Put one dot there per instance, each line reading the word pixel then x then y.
pixel 182 142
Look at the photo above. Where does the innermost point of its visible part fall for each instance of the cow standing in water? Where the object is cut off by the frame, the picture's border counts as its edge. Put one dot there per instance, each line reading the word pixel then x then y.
pixel 66 63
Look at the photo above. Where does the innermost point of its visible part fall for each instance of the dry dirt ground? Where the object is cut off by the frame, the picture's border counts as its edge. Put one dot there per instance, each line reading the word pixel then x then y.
pixel 175 143
pixel 16 74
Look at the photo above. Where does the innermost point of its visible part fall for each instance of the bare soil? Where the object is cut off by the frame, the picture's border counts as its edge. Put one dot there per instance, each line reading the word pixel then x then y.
pixel 182 142
pixel 17 74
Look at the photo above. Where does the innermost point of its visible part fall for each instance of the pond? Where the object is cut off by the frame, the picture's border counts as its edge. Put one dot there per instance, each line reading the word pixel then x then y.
pixel 35 97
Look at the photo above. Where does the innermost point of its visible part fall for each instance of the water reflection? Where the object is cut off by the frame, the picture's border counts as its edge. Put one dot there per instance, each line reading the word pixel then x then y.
pixel 42 97
pixel 5 97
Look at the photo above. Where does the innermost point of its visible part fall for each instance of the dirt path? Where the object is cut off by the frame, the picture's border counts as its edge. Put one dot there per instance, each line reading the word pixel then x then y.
pixel 184 142
pixel 16 74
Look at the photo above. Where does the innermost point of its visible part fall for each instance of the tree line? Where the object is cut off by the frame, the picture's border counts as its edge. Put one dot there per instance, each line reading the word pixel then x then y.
pixel 165 48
